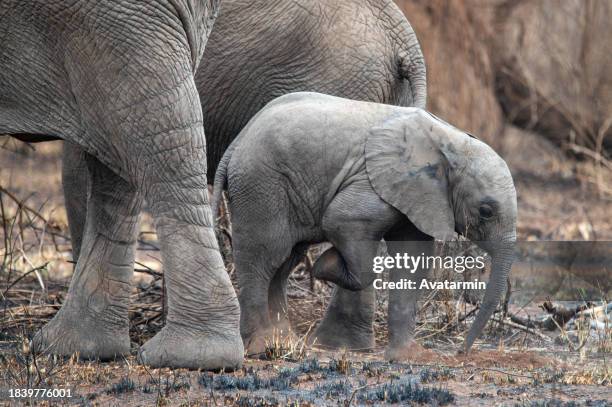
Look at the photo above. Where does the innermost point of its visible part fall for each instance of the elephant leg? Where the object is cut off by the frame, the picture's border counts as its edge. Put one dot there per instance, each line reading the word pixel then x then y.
pixel 256 271
pixel 93 321
pixel 255 325
pixel 75 181
pixel 330 267
pixel 348 320
pixel 262 248
pixel 277 295
pixel 202 321
pixel 403 304
pixel 139 113
pixel 355 231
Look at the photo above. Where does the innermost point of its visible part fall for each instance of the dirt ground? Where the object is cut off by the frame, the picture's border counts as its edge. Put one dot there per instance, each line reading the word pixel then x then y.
pixel 512 377
pixel 511 365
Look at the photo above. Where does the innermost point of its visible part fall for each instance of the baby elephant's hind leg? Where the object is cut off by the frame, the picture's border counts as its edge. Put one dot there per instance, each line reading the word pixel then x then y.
pixel 277 296
pixel 256 265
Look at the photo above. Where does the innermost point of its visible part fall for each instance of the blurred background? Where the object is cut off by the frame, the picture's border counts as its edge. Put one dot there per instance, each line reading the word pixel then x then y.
pixel 534 80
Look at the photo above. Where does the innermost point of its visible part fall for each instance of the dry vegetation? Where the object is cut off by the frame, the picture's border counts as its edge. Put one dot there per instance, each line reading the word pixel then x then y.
pixel 494 69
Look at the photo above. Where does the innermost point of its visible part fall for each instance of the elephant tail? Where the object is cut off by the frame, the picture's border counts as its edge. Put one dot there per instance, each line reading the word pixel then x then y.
pixel 413 71
pixel 411 65
pixel 220 183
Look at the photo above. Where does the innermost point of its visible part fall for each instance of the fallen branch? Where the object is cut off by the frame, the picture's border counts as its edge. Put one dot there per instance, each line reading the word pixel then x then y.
pixel 147 270
pixel 522 328
pixel 559 316
pixel 598 312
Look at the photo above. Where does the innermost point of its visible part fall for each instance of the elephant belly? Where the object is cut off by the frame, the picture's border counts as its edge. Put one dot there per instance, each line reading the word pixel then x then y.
pixel 34 138
pixel 36 103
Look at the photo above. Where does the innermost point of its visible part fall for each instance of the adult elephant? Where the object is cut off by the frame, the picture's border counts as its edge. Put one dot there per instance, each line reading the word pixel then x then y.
pixel 262 49
pixel 116 79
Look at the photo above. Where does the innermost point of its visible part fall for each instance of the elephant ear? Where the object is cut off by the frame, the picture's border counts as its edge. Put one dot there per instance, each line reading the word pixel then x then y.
pixel 407 169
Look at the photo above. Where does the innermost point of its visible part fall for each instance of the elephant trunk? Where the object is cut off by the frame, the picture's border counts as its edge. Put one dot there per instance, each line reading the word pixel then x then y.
pixel 502 255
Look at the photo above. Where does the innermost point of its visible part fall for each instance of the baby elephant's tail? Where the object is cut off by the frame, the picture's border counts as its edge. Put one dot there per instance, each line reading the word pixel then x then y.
pixel 221 181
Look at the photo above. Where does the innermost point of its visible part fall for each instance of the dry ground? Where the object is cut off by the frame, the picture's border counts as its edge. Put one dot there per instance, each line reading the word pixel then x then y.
pixel 558 200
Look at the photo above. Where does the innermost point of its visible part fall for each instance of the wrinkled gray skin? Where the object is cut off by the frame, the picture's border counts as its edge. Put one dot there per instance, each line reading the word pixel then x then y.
pixel 310 168
pixel 263 49
pixel 116 79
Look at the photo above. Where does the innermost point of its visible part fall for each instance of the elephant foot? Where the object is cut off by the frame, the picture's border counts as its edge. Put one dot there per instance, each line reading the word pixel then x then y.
pixel 177 347
pixel 408 351
pixel 341 336
pixel 270 342
pixel 70 333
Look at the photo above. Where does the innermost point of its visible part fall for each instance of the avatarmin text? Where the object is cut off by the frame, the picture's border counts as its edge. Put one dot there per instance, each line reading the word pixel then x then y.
pixel 424 284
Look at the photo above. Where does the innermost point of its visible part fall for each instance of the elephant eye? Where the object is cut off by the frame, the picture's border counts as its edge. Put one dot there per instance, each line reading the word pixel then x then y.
pixel 485 211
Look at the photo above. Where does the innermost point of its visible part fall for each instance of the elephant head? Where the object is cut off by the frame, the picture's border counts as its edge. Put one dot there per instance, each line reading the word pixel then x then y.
pixel 446 181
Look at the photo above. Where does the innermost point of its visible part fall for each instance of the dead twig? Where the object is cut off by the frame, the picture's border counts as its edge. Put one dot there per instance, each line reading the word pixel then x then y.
pixel 34 270
pixel 575 148
pixel 522 328
pixel 22 205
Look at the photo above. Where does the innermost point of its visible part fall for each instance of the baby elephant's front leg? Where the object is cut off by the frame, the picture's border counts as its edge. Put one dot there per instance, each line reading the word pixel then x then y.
pixel 348 264
pixel 354 223
pixel 403 303
pixel 349 316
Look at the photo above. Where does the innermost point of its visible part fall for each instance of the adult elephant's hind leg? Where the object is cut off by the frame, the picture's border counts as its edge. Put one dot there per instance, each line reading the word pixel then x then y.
pixel 139 102
pixel 75 181
pixel 202 324
pixel 93 321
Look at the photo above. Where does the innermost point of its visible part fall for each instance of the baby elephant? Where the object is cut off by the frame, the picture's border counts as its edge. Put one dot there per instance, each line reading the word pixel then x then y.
pixel 315 168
